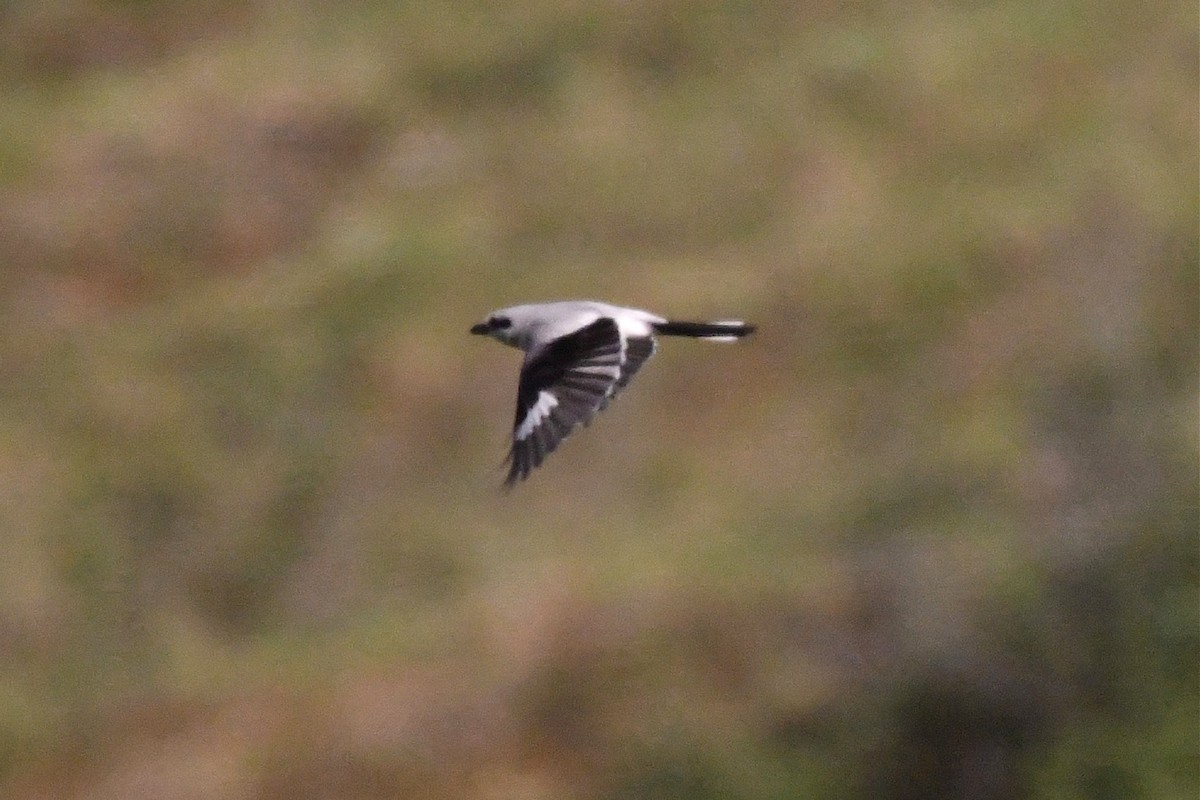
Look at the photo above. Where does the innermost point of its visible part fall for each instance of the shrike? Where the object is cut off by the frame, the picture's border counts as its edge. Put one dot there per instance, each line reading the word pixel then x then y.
pixel 579 354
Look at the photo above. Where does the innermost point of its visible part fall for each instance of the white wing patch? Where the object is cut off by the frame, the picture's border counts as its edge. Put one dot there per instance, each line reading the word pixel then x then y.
pixel 537 412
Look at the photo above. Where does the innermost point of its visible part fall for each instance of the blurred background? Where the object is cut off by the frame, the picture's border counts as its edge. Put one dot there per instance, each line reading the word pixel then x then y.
pixel 932 533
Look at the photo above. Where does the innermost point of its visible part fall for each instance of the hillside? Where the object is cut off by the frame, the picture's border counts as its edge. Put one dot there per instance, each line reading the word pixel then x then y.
pixel 930 533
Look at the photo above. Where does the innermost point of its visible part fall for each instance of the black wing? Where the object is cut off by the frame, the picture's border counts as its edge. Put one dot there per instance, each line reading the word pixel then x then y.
pixel 637 351
pixel 562 386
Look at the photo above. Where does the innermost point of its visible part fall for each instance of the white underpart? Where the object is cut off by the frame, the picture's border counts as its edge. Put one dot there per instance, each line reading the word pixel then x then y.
pixel 537 412
pixel 634 323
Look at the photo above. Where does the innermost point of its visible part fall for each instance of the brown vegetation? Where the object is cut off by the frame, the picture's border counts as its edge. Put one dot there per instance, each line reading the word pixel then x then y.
pixel 931 533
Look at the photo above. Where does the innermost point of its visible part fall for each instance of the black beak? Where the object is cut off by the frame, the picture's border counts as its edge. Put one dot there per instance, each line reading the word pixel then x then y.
pixel 481 329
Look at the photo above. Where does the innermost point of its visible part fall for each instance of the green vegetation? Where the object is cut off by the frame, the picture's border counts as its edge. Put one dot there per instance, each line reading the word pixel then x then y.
pixel 930 534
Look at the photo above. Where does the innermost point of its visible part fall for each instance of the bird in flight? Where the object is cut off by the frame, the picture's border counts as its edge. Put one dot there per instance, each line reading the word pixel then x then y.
pixel 579 354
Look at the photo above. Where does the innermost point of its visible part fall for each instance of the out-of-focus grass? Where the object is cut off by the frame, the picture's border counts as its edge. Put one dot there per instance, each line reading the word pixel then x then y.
pixel 930 533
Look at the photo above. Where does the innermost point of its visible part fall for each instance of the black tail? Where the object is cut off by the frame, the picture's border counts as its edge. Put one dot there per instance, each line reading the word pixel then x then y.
pixel 725 331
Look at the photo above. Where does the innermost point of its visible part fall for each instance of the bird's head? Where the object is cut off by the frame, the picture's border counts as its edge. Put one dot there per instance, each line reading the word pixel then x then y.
pixel 498 325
